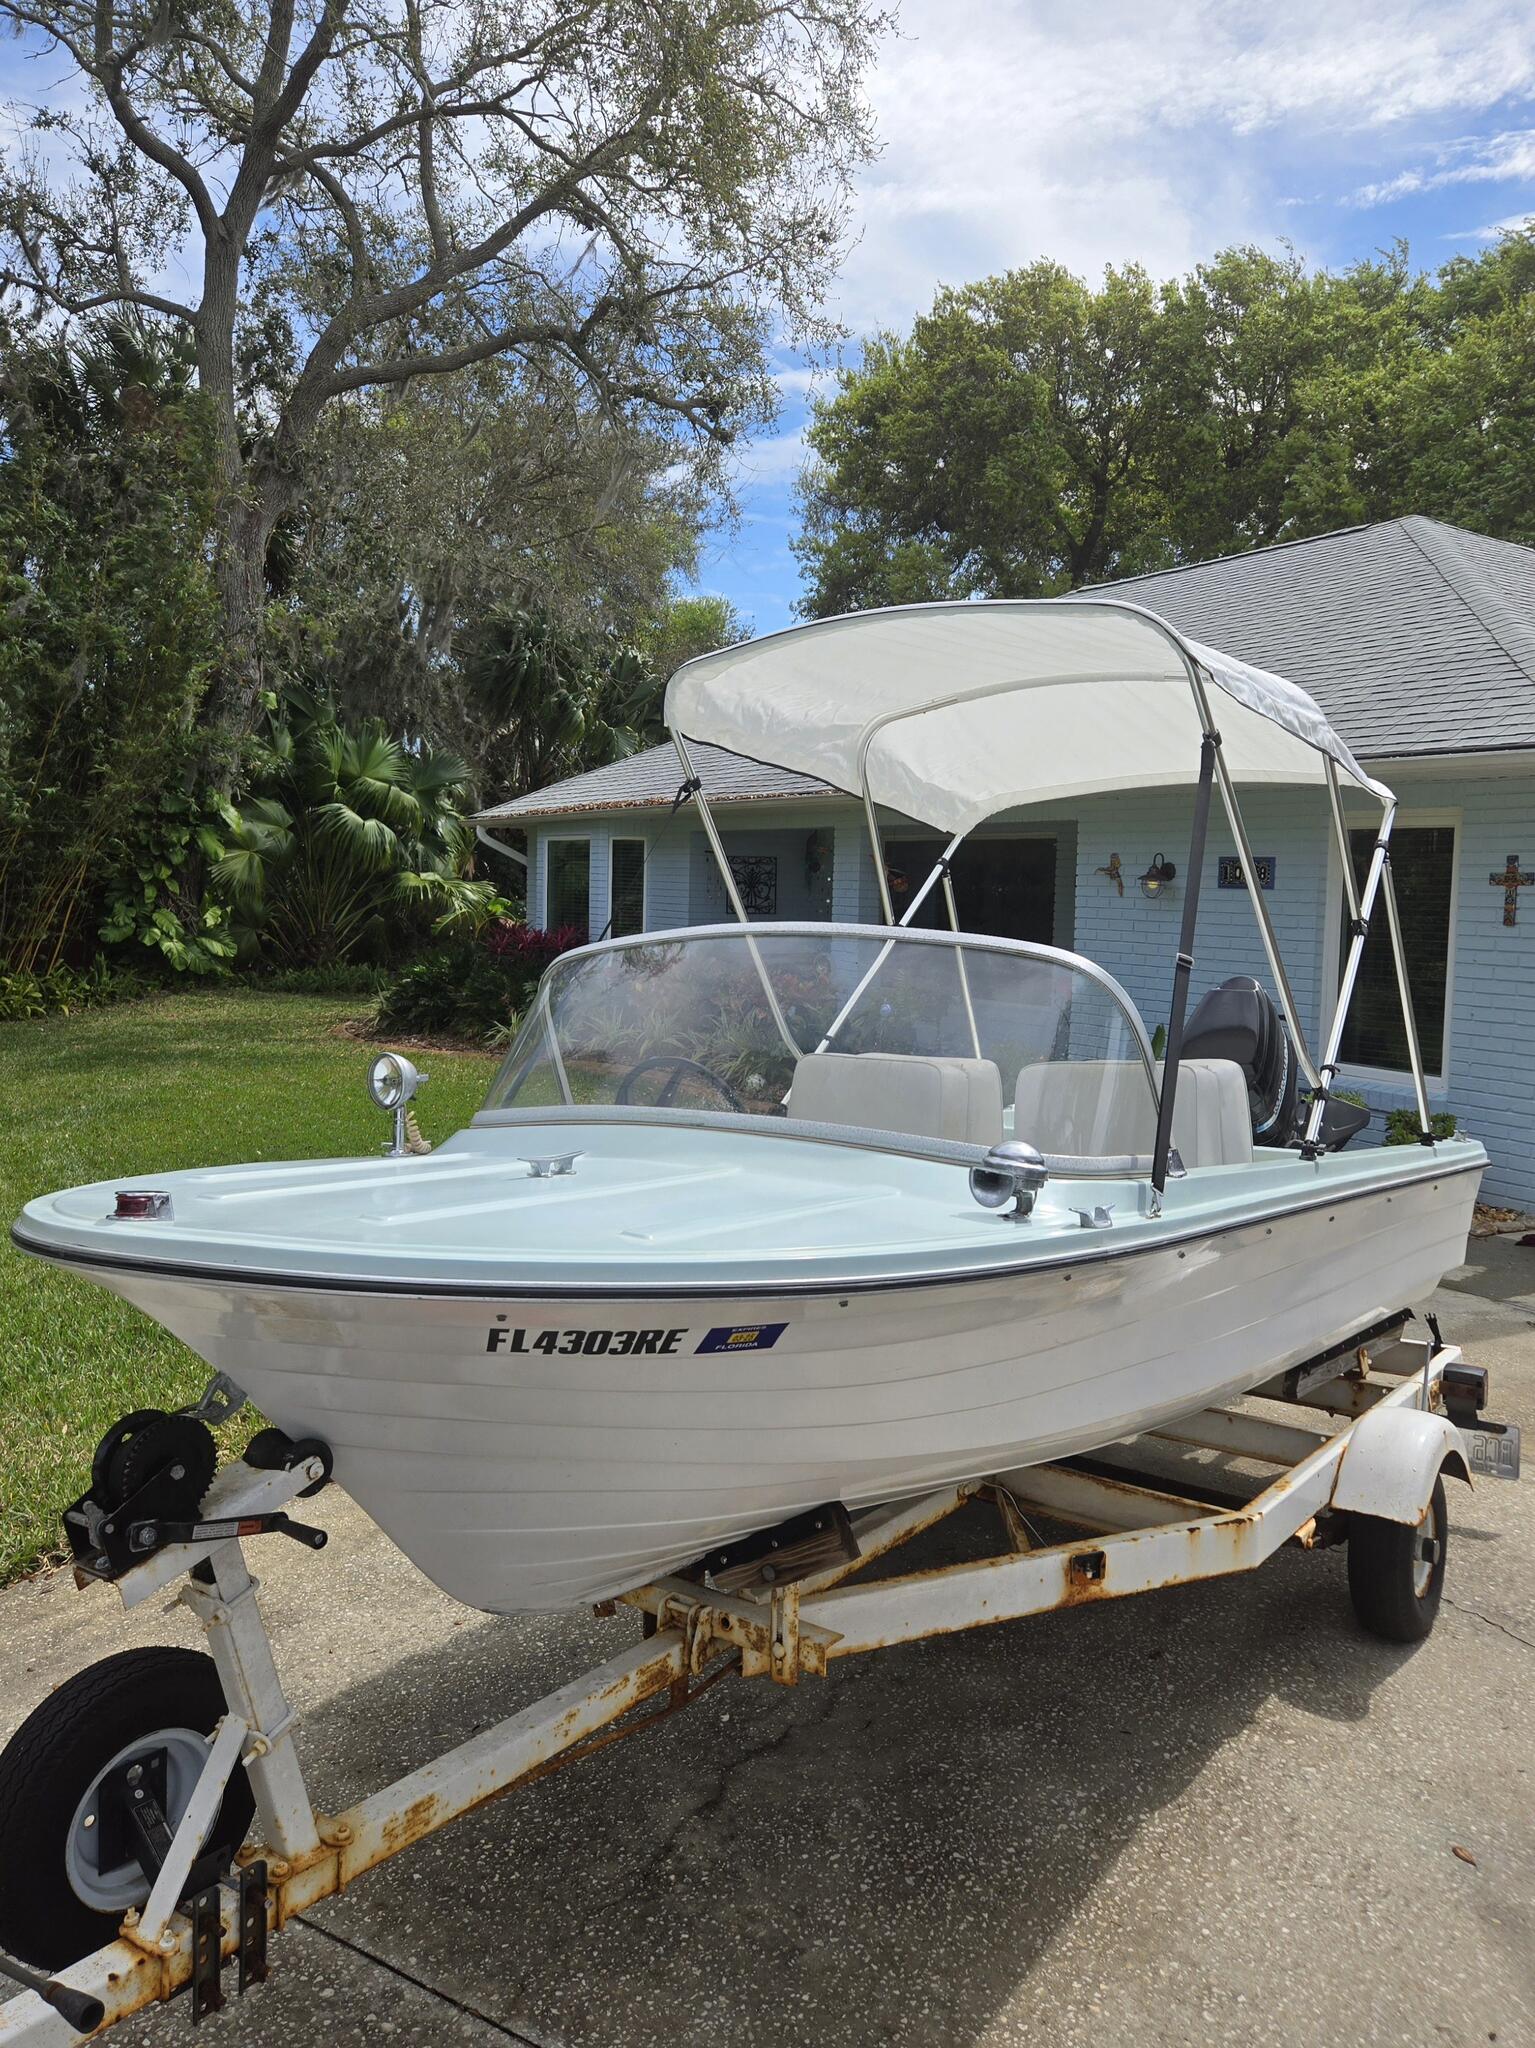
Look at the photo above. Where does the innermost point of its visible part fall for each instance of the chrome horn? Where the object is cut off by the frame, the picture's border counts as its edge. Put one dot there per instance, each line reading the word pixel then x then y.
pixel 1011 1172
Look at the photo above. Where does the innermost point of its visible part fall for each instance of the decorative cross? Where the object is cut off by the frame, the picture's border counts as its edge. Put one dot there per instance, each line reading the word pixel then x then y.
pixel 1511 881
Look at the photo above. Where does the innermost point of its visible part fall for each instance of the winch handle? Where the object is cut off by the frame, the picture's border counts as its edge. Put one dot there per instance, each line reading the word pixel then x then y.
pixel 83 2012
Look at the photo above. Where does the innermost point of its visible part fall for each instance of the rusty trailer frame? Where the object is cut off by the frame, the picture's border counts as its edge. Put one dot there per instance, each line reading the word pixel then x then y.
pixel 1139 1536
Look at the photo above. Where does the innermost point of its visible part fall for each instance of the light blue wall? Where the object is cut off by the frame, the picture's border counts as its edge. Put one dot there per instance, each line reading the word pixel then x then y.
pixel 1489 1077
pixel 1136 938
pixel 800 895
pixel 1489 1080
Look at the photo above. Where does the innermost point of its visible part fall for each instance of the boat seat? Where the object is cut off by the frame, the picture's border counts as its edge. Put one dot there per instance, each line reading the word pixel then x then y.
pixel 924 1096
pixel 1212 1117
pixel 1094 1109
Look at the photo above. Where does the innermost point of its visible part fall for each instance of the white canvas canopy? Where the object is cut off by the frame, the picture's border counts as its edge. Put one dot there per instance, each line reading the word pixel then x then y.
pixel 949 713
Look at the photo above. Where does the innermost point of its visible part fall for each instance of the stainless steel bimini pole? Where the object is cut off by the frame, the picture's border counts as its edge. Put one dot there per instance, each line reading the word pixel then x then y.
pixel 1360 926
pixel 1209 753
pixel 1404 993
pixel 1340 833
pixel 722 862
pixel 959 958
pixel 1266 932
pixel 940 868
pixel 875 847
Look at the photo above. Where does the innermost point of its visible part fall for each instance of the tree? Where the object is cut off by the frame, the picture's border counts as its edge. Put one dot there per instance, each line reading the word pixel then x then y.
pixel 108 630
pixel 1004 448
pixel 682 627
pixel 1440 417
pixel 1245 337
pixel 1034 434
pixel 551 703
pixel 367 192
pixel 431 510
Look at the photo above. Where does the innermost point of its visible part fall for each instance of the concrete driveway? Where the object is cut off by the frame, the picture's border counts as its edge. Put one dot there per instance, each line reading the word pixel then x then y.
pixel 1213 1815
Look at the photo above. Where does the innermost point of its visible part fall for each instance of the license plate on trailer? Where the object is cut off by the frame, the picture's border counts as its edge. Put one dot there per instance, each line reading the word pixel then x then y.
pixel 1492 1449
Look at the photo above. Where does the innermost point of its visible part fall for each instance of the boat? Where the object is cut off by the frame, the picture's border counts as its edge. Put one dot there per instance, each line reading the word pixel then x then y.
pixel 762 1222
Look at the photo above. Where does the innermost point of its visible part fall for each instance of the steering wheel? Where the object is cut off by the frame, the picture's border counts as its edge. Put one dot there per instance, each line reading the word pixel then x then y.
pixel 675 1067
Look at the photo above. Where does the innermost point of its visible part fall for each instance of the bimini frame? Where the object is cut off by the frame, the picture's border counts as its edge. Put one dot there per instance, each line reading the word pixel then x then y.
pixel 1213 772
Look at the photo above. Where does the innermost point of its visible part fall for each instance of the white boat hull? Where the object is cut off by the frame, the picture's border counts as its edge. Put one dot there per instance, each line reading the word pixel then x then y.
pixel 535 1455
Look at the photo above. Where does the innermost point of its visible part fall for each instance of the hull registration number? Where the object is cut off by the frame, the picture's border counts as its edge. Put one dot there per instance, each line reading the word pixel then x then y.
pixel 635 1343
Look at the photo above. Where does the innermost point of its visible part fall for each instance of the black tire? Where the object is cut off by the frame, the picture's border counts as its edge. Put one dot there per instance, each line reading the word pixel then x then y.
pixel 1394 1596
pixel 47 1767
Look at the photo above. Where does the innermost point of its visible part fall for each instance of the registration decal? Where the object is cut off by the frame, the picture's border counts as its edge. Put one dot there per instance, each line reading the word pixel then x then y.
pixel 744 1337
pixel 589 1343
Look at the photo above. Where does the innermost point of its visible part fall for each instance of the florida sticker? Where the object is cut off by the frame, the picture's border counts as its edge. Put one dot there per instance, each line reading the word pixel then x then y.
pixel 744 1337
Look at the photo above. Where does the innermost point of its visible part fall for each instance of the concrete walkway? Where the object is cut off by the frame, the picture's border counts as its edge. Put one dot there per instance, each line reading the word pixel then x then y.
pixel 1212 1815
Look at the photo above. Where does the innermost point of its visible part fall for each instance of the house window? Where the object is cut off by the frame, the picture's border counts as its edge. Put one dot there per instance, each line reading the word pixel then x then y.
pixel 570 879
pixel 627 879
pixel 1423 869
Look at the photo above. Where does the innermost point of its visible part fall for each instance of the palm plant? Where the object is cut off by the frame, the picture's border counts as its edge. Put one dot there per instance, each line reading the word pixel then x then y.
pixel 348 836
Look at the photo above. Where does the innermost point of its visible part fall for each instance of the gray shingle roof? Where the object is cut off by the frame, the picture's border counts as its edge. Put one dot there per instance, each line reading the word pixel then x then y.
pixel 652 778
pixel 1414 637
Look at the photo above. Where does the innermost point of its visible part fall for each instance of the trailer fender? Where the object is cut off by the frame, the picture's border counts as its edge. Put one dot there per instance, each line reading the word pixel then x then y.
pixel 1391 1461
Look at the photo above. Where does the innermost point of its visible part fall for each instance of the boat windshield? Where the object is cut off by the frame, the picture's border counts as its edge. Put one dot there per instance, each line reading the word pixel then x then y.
pixel 929 1034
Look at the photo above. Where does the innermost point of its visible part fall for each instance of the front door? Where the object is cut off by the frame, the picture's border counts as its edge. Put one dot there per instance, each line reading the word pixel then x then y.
pixel 1005 887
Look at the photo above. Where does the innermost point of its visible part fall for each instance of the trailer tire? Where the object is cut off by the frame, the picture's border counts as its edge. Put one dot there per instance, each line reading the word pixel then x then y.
pixel 51 1762
pixel 1394 1587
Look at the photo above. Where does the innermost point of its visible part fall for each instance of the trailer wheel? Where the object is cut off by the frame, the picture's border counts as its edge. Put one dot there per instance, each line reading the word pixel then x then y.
pixel 1396 1572
pixel 56 1903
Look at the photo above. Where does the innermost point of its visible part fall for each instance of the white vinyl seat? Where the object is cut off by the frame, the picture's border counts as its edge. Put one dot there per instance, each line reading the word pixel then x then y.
pixel 926 1097
pixel 1094 1109
pixel 1212 1120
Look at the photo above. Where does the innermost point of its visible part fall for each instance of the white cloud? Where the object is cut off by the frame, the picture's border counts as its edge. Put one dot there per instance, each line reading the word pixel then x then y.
pixel 1493 229
pixel 800 381
pixel 1016 131
pixel 1472 160
pixel 776 460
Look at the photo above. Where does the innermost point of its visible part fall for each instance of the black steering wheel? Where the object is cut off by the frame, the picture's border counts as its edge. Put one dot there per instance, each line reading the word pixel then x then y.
pixel 675 1067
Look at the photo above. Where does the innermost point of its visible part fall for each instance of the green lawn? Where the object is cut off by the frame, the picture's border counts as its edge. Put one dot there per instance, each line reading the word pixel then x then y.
pixel 181 1080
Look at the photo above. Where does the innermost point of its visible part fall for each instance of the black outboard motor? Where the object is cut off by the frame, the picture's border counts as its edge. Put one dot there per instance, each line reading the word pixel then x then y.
pixel 1240 1021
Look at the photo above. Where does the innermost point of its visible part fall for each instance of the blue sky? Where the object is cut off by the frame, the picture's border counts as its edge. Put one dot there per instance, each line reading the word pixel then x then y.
pixel 1159 132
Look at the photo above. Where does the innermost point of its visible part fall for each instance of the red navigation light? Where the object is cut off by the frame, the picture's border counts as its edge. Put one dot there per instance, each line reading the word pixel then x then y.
pixel 142 1203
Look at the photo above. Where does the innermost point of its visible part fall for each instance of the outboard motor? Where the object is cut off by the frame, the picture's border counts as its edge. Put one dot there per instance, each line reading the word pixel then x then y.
pixel 1240 1021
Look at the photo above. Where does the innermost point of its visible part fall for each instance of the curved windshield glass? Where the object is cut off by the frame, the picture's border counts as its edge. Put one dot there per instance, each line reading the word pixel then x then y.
pixel 914 1032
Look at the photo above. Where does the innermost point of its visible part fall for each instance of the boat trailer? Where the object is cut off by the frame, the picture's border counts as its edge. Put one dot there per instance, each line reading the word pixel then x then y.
pixel 1380 1421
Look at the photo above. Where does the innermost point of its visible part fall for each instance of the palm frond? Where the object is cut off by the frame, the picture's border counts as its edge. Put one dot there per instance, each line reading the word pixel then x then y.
pixel 368 841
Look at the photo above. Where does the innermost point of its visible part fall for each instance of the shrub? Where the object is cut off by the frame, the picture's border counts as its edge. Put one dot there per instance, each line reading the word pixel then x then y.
pixel 472 988
pixel 523 952
pixel 63 989
pixel 341 978
pixel 1402 1126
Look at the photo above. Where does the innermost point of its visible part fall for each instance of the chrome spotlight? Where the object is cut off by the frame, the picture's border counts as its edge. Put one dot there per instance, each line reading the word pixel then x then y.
pixel 1011 1172
pixel 392 1081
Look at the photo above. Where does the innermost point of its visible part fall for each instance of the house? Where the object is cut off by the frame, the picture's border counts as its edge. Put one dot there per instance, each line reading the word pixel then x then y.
pixel 1417 638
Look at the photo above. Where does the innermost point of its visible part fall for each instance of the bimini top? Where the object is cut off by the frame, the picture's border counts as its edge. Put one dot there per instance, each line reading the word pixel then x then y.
pixel 953 712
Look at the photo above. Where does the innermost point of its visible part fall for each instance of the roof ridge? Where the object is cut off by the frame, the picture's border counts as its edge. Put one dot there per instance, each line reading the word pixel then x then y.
pixel 1461 595
pixel 1490 540
pixel 1269 547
